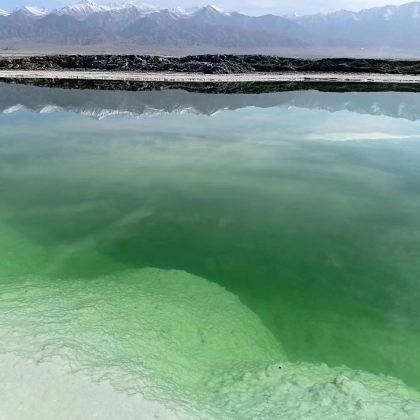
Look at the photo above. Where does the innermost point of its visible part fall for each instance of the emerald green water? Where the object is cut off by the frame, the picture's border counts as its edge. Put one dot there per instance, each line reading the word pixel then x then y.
pixel 309 214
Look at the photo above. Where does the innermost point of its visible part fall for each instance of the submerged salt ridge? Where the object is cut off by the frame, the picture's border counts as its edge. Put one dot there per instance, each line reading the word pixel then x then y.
pixel 187 343
pixel 177 339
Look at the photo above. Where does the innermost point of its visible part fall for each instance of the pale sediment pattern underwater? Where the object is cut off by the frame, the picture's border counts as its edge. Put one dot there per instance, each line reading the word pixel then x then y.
pixel 241 265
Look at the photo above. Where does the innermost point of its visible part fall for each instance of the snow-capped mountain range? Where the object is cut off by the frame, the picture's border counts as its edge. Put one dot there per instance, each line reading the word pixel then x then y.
pixel 88 22
pixel 85 8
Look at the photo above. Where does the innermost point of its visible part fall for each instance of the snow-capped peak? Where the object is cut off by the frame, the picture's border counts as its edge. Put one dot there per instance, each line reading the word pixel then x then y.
pixel 142 7
pixel 82 9
pixel 4 13
pixel 214 9
pixel 33 11
pixel 211 10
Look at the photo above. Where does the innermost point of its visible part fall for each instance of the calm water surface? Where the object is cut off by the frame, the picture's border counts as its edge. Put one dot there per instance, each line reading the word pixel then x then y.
pixel 305 205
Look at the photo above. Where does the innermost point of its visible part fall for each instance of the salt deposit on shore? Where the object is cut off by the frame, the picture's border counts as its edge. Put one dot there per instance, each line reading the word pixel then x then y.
pixel 43 391
pixel 210 78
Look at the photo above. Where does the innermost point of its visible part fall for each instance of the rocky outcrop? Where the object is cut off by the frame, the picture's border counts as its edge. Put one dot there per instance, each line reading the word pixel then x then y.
pixel 209 64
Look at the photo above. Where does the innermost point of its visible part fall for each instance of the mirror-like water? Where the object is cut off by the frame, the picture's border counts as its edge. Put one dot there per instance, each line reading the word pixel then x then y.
pixel 222 231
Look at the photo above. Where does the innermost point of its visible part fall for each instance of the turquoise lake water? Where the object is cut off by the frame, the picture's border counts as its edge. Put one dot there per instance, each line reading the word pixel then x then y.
pixel 303 206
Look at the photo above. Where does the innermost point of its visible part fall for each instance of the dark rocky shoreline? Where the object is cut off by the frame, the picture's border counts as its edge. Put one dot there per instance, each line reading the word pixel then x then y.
pixel 226 88
pixel 209 64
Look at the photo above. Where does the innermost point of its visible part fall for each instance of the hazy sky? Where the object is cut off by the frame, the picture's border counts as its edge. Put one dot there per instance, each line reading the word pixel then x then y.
pixel 246 6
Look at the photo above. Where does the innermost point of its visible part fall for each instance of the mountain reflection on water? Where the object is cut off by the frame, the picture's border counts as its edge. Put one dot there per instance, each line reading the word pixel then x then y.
pixel 102 103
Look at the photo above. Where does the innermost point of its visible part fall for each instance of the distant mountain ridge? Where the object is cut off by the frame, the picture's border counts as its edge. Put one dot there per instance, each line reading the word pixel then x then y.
pixel 87 22
pixel 392 26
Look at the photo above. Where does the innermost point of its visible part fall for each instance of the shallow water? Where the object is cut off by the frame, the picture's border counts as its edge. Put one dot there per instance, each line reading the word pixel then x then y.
pixel 303 206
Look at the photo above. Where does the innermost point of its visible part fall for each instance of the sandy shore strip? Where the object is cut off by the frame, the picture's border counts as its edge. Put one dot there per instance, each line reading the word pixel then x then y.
pixel 210 78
